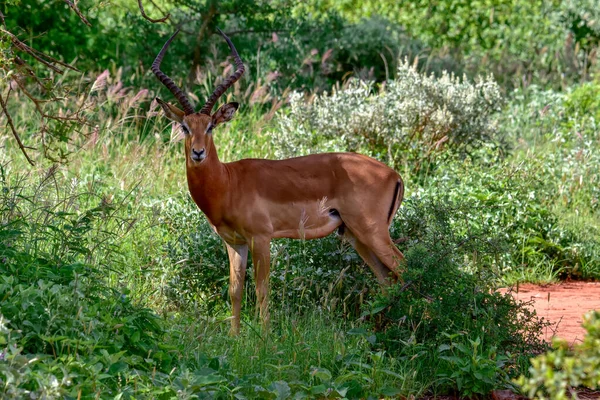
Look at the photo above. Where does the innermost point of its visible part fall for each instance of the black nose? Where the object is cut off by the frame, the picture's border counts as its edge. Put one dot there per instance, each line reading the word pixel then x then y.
pixel 198 154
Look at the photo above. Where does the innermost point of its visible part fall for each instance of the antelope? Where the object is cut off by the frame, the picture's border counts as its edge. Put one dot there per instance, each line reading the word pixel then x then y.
pixel 252 201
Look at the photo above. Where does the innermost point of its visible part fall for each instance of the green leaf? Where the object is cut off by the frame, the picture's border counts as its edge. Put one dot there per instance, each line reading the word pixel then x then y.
pixel 281 389
pixel 321 373
pixel 206 380
pixel 390 391
pixel 118 367
pixel 444 347
pixel 319 389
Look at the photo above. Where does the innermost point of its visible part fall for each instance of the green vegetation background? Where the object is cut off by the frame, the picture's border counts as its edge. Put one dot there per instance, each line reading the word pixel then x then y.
pixel 112 284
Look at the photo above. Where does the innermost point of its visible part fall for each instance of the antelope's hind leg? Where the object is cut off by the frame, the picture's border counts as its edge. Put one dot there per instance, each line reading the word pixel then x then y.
pixel 384 274
pixel 238 259
pixel 370 236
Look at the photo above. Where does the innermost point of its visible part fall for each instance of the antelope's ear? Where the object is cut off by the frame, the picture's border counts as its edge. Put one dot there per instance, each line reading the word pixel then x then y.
pixel 172 112
pixel 224 113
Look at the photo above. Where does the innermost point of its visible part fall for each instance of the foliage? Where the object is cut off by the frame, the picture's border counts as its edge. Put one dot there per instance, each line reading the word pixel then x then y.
pixel 517 202
pixel 473 337
pixel 546 42
pixel 475 372
pixel 555 136
pixel 65 330
pixel 34 74
pixel 412 120
pixel 113 285
pixel 279 48
pixel 555 374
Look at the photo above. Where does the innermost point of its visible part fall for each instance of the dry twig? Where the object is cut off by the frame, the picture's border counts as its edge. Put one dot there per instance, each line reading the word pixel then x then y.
pixel 163 19
pixel 76 9
pixel 14 131
pixel 38 55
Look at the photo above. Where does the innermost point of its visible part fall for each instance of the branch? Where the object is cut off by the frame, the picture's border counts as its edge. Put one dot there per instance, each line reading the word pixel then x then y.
pixel 38 55
pixel 206 20
pixel 76 9
pixel 14 131
pixel 22 65
pixel 163 19
pixel 35 101
pixel 246 31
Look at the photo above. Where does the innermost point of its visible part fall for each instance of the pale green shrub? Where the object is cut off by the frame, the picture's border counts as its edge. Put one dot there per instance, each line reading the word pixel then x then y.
pixel 412 119
pixel 556 373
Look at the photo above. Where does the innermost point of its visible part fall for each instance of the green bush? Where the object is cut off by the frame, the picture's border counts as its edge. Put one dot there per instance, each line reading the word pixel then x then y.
pixel 555 137
pixel 552 43
pixel 326 274
pixel 409 123
pixel 371 48
pixel 471 337
pixel 66 330
pixel 517 204
pixel 550 121
pixel 583 103
pixel 196 271
pixel 557 373
pixel 280 48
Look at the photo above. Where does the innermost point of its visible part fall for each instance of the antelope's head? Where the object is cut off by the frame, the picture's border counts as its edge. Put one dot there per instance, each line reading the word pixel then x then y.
pixel 198 126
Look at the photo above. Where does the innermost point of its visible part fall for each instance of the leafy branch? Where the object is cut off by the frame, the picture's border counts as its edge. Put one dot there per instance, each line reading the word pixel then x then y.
pixel 17 72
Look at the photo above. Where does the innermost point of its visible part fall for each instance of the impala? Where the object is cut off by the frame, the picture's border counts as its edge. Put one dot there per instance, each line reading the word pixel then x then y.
pixel 251 201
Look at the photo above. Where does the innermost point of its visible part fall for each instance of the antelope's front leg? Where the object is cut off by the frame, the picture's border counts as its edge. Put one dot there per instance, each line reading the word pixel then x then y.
pixel 261 259
pixel 238 258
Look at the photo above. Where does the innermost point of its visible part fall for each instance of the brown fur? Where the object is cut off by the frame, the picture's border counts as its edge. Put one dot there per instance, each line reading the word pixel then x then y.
pixel 251 201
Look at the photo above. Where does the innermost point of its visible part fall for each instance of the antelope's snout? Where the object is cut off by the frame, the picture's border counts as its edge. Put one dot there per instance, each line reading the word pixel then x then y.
pixel 198 155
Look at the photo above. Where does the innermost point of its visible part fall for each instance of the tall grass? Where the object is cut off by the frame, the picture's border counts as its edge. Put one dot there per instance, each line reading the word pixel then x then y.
pixel 128 283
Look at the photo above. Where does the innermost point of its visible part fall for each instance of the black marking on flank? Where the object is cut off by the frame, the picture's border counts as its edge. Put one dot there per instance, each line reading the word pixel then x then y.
pixel 394 199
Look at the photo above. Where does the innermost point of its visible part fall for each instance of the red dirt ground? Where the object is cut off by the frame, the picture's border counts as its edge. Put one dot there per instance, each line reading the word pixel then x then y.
pixel 563 304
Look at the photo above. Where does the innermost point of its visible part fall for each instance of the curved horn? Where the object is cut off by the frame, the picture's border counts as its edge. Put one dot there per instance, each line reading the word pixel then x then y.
pixel 168 82
pixel 239 70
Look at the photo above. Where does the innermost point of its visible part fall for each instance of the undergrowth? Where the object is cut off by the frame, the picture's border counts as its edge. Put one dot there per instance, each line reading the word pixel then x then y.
pixel 106 304
pixel 558 373
pixel 113 284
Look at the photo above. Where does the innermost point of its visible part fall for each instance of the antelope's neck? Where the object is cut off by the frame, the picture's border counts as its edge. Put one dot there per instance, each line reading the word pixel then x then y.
pixel 208 183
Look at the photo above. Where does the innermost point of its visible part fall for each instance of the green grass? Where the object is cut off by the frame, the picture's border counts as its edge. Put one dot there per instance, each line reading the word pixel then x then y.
pixel 312 353
pixel 129 282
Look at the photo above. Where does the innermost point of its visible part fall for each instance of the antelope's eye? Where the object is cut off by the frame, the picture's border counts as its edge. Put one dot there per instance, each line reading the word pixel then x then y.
pixel 209 129
pixel 185 129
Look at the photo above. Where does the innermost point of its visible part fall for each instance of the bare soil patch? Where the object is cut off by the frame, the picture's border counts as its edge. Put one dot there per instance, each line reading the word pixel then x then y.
pixel 563 304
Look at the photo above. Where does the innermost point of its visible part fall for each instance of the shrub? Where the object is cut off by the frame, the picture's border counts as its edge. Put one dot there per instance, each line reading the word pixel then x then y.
pixel 556 165
pixel 410 122
pixel 520 42
pixel 196 271
pixel 517 203
pixel 326 274
pixel 556 374
pixel 538 119
pixel 472 337
pixel 371 48
pixel 64 329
